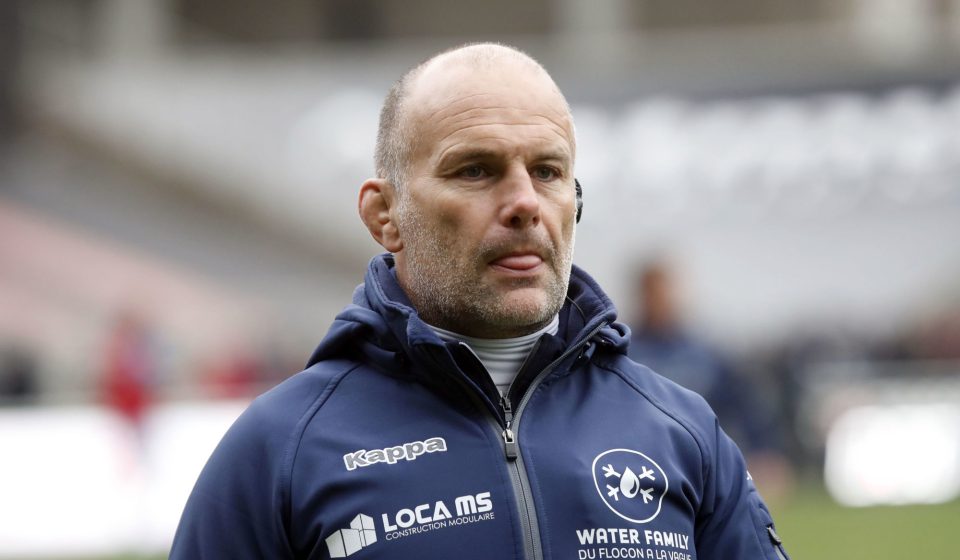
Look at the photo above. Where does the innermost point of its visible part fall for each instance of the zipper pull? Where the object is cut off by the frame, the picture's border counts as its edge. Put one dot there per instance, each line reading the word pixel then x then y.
pixel 509 444
pixel 509 439
pixel 587 351
pixel 777 543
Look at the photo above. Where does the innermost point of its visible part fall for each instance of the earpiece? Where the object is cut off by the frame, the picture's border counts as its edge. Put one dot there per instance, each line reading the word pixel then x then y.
pixel 576 182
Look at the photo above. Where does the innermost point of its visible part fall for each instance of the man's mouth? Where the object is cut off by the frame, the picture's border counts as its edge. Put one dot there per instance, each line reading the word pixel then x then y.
pixel 519 262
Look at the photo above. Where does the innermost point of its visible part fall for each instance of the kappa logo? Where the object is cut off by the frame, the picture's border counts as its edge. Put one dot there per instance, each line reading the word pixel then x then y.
pixel 344 542
pixel 390 455
pixel 631 484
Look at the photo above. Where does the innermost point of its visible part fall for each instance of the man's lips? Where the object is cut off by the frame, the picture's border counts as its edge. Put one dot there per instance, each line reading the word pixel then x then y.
pixel 518 261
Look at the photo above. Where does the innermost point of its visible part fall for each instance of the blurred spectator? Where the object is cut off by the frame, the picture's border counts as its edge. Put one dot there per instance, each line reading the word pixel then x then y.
pixel 246 365
pixel 661 342
pixel 129 374
pixel 18 377
pixel 237 373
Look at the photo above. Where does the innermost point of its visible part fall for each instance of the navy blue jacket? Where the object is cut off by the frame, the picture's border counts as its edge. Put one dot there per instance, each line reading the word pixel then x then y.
pixel 394 444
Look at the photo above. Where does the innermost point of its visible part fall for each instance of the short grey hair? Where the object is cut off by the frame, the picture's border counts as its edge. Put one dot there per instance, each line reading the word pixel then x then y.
pixel 395 134
pixel 392 152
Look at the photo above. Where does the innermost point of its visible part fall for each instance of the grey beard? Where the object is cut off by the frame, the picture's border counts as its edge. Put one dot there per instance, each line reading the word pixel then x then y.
pixel 446 289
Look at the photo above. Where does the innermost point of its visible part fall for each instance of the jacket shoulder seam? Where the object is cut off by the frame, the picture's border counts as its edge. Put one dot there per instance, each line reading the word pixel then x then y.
pixel 685 424
pixel 292 448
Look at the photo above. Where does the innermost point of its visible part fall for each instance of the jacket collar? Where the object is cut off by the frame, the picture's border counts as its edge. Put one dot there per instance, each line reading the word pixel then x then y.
pixel 382 324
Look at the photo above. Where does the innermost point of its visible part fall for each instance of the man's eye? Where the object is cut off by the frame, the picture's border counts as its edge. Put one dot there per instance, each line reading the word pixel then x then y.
pixel 545 173
pixel 472 172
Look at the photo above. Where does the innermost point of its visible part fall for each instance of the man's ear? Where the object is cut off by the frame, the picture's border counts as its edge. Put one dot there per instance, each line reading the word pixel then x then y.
pixel 376 206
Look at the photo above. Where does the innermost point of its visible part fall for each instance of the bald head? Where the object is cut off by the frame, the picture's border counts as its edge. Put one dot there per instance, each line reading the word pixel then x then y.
pixel 475 196
pixel 411 98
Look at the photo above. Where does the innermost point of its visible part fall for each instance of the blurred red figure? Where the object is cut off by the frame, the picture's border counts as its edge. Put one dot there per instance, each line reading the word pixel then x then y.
pixel 238 375
pixel 129 369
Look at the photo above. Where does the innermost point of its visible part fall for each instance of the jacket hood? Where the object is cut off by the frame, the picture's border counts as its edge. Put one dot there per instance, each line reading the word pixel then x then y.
pixel 382 324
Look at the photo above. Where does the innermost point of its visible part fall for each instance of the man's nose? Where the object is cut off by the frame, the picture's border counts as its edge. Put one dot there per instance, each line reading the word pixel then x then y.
pixel 521 206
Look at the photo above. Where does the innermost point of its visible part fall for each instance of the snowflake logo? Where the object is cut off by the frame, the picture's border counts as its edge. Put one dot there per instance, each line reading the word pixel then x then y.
pixel 631 484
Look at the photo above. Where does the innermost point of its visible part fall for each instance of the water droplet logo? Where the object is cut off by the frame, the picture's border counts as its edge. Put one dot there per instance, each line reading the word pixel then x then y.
pixel 630 483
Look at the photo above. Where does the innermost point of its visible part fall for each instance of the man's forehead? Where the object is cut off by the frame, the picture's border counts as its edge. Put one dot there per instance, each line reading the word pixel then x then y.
pixel 454 90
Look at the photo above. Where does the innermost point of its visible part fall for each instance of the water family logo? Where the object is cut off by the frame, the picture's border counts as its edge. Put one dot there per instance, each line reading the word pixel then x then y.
pixel 631 484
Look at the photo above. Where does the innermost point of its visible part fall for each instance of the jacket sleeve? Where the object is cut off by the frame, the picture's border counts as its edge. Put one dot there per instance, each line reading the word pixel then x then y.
pixel 235 509
pixel 733 522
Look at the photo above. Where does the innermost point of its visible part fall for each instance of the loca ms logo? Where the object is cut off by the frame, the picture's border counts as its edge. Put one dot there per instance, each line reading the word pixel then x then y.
pixel 630 483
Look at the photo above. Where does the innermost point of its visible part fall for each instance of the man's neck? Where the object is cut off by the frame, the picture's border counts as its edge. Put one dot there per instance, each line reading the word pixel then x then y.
pixel 502 357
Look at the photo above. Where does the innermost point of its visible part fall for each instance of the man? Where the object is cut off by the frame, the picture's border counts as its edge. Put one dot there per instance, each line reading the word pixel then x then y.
pixel 475 401
pixel 660 340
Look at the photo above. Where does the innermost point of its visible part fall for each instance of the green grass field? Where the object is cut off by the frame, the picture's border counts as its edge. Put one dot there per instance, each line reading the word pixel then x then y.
pixel 813 527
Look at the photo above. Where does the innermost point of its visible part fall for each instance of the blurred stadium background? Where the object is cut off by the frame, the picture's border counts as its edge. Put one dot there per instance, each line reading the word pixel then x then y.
pixel 177 230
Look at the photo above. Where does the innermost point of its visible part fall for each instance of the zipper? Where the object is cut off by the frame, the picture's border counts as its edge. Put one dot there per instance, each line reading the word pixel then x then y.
pixel 777 543
pixel 530 543
pixel 546 371
pixel 511 446
pixel 521 487
pixel 509 439
pixel 532 548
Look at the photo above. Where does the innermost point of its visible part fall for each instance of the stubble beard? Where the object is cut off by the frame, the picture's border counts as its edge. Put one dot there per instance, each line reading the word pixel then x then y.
pixel 450 290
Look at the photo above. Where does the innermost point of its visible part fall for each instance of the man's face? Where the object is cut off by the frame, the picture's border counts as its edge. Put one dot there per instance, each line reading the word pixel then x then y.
pixel 487 213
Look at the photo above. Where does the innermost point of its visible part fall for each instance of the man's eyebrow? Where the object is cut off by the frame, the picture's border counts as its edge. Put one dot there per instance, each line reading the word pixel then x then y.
pixel 559 155
pixel 468 154
pixel 481 154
